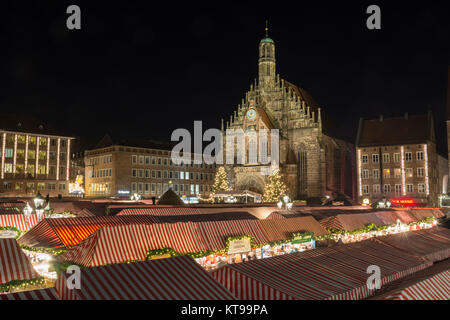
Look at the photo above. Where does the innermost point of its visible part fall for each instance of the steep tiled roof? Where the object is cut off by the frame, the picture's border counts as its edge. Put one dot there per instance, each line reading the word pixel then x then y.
pixel 399 130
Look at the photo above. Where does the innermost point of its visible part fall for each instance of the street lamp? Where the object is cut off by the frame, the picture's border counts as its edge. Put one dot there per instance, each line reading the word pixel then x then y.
pixel 38 200
pixel 48 209
pixel 27 211
pixel 39 211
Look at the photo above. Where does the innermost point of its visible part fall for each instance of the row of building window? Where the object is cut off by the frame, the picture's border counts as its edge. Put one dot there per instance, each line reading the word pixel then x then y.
pixel 20 154
pixel 396 157
pixel 32 140
pixel 100 160
pixel 397 188
pixel 397 173
pixel 147 160
pixel 41 169
pixel 164 174
pixel 101 173
pixel 157 188
pixel 30 186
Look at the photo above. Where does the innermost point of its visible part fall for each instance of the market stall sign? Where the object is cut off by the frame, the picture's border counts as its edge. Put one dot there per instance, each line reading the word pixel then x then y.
pixel 239 246
pixel 302 238
pixel 4 234
pixel 160 256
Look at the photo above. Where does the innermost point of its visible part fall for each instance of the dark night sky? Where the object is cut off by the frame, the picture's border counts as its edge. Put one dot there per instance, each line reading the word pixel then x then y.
pixel 137 71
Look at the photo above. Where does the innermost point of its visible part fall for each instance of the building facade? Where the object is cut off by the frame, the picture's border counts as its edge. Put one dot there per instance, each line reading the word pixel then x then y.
pixel 397 158
pixel 121 170
pixel 33 159
pixel 312 162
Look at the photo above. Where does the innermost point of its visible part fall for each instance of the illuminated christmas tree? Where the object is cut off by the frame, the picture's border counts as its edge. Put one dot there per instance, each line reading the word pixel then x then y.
pixel 221 180
pixel 275 189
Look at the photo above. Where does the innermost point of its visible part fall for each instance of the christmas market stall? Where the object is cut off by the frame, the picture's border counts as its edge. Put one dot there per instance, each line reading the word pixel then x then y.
pixel 135 242
pixel 230 241
pixel 16 271
pixel 435 287
pixel 160 211
pixel 431 244
pixel 291 235
pixel 40 294
pixel 177 278
pixel 338 272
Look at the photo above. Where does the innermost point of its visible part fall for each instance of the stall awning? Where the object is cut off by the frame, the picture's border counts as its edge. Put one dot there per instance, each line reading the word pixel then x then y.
pixel 57 233
pixel 14 265
pixel 178 278
pixel 43 294
pixel 436 287
pixel 282 229
pixel 325 273
pixel 216 233
pixel 431 244
pixel 17 221
pixel 160 211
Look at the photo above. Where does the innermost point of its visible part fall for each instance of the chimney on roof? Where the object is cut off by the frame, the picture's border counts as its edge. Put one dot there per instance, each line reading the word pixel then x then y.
pixel 406 115
pixel 381 118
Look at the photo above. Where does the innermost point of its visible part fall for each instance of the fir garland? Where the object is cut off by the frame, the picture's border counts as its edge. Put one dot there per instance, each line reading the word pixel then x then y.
pixel 54 252
pixel 20 283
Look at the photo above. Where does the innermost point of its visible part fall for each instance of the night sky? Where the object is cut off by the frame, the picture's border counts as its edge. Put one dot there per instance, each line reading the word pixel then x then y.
pixel 142 71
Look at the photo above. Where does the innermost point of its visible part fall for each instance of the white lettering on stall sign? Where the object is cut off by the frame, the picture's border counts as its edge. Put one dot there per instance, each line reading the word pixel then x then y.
pixel 374 280
pixel 239 246
pixel 4 234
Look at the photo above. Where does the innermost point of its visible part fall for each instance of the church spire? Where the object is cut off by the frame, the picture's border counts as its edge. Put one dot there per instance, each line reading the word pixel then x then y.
pixel 266 63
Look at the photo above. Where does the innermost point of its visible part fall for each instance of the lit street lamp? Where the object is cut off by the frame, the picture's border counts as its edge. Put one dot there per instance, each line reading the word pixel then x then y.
pixel 38 200
pixel 27 211
pixel 39 211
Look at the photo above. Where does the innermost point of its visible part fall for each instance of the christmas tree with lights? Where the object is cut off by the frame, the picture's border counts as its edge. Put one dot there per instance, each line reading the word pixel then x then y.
pixel 221 180
pixel 275 189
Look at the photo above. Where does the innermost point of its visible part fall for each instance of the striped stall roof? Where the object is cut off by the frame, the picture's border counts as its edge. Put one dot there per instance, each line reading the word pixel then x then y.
pixel 117 244
pixel 332 223
pixel 325 273
pixel 161 211
pixel 42 294
pixel 216 233
pixel 436 287
pixel 282 229
pixel 431 244
pixel 54 233
pixel 14 264
pixel 178 278
pixel 18 221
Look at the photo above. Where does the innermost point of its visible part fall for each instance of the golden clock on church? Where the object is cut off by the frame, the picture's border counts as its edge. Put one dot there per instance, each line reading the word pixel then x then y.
pixel 251 114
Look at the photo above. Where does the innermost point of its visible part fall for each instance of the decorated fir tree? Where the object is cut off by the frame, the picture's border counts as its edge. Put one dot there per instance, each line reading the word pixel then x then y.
pixel 221 180
pixel 275 188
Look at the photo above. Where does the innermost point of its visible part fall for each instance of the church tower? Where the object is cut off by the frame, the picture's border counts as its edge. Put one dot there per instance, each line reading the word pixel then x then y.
pixel 266 63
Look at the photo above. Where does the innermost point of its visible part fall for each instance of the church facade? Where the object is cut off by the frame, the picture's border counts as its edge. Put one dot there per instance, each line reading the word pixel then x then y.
pixel 312 162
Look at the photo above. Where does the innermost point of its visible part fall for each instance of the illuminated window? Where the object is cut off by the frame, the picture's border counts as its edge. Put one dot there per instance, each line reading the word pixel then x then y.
pixel 20 154
pixel 42 155
pixel 365 174
pixel 386 173
pixel 19 186
pixel 31 140
pixel 420 172
pixel 8 167
pixel 21 139
pixel 397 157
pixel 19 168
pixel 41 169
pixel 9 152
pixel 41 186
pixel 421 188
pixel 31 154
pixel 386 157
pixel 409 172
pixel 397 173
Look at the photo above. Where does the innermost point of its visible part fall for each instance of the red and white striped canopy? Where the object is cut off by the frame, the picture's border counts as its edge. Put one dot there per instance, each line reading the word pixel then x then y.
pixel 432 244
pixel 326 273
pixel 160 211
pixel 54 233
pixel 18 221
pixel 117 244
pixel 43 294
pixel 216 233
pixel 436 287
pixel 282 229
pixel 14 265
pixel 178 278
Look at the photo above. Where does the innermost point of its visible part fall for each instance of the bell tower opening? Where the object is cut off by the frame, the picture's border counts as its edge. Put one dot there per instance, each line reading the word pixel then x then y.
pixel 266 62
